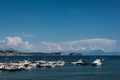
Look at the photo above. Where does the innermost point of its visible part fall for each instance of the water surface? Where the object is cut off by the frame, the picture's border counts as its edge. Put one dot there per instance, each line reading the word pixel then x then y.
pixel 110 70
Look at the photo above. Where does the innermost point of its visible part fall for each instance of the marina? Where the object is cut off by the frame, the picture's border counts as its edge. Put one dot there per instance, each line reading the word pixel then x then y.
pixel 28 65
pixel 109 70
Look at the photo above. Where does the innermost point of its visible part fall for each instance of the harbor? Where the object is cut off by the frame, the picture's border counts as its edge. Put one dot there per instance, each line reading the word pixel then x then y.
pixel 36 68
pixel 28 65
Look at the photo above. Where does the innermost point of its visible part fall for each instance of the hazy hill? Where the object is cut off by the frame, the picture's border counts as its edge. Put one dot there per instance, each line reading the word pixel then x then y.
pixel 17 53
pixel 100 52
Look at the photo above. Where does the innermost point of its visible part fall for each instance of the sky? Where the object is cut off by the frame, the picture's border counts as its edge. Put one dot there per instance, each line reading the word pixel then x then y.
pixel 60 25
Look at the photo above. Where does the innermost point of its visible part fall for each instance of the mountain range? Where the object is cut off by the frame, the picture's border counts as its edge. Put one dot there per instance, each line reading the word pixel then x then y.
pixel 100 52
pixel 69 53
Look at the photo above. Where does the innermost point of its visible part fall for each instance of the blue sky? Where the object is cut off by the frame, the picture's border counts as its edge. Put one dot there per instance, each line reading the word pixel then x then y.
pixel 59 21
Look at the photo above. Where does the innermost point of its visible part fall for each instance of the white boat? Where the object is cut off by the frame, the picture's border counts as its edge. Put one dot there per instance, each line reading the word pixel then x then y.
pixel 59 63
pixel 41 63
pixel 33 65
pixel 50 64
pixel 2 67
pixel 28 65
pixel 12 68
pixel 97 62
pixel 79 62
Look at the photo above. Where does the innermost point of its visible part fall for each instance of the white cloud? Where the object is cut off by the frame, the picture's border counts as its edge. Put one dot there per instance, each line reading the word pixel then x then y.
pixel 16 43
pixel 81 45
pixel 13 41
pixel 28 46
pixel 77 45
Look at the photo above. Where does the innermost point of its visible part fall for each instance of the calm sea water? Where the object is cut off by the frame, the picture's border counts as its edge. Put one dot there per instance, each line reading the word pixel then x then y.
pixel 110 70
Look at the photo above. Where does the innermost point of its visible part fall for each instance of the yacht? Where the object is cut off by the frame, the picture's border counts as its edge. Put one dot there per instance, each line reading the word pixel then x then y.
pixel 59 63
pixel 97 62
pixel 79 62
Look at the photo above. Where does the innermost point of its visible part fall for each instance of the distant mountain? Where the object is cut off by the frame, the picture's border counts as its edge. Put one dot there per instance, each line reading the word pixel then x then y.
pixel 43 54
pixel 70 53
pixel 17 53
pixel 100 52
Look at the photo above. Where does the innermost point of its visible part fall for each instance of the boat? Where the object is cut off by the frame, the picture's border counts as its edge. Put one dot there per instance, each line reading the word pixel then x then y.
pixel 13 68
pixel 28 65
pixel 2 67
pixel 41 63
pixel 59 63
pixel 79 62
pixel 97 62
pixel 50 64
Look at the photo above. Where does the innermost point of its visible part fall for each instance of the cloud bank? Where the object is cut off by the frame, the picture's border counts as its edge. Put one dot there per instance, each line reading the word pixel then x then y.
pixel 77 45
pixel 81 45
pixel 16 43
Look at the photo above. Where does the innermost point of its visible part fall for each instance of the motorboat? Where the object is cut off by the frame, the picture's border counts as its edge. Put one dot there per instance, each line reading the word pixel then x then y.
pixel 50 64
pixel 41 63
pixel 59 63
pixel 28 65
pixel 79 62
pixel 97 62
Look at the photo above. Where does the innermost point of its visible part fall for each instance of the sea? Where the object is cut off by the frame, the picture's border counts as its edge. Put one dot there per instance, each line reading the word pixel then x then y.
pixel 110 70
